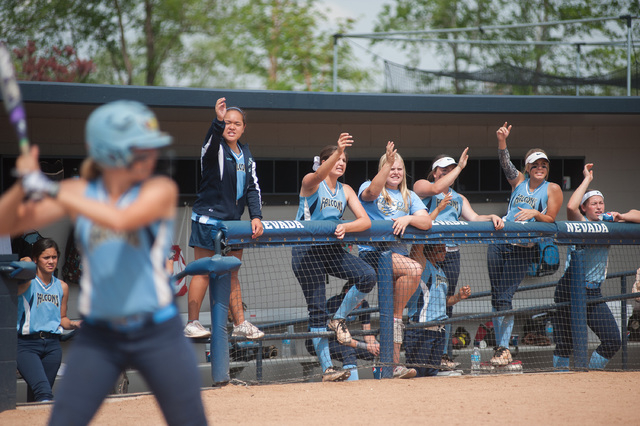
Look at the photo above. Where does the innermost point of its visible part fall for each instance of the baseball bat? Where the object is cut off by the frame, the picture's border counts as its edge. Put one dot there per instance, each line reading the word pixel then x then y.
pixel 12 98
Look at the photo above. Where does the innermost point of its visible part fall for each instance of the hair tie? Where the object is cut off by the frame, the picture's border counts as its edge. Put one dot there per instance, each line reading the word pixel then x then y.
pixel 316 163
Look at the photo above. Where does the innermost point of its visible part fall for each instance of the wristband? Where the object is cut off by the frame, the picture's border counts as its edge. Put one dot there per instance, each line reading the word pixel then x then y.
pixel 361 345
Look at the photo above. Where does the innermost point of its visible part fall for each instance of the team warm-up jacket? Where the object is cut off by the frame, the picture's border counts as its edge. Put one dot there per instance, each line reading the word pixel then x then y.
pixel 217 192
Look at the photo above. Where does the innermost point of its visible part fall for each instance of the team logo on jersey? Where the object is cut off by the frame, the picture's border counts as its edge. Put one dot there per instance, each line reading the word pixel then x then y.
pixel 453 204
pixel 240 167
pixel 523 199
pixel 330 202
pixel 99 235
pixel 50 298
pixel 390 209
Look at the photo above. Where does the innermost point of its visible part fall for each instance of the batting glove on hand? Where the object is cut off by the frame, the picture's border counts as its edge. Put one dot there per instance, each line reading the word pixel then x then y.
pixel 37 185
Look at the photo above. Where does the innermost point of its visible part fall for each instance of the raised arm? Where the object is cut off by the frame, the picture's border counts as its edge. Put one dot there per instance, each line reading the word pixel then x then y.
pixel 424 188
pixel 573 206
pixel 361 222
pixel 378 182
pixel 311 181
pixel 513 175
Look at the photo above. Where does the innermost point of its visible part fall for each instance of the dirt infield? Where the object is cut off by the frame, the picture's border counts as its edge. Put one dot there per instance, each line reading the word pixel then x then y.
pixel 593 398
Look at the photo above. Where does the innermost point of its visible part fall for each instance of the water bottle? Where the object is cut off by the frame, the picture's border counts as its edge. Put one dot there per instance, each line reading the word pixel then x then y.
pixel 475 361
pixel 288 350
pixel 549 331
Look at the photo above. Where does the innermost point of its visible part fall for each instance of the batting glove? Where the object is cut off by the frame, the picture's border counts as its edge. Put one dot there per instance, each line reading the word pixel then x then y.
pixel 37 185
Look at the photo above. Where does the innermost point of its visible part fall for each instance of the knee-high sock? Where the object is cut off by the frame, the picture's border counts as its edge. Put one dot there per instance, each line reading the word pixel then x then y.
pixel 503 326
pixel 321 345
pixel 561 363
pixel 351 299
pixel 354 372
pixel 597 361
pixel 447 338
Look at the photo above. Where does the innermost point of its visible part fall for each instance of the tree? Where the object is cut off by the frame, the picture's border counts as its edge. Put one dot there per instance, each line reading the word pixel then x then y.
pixel 51 65
pixel 418 15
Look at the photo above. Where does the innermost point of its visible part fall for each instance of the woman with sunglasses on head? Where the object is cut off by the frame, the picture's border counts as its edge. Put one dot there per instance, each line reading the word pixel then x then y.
pixel 123 218
pixel 42 314
pixel 533 198
pixel 229 183
pixel 323 197
pixel 386 197
pixel 449 205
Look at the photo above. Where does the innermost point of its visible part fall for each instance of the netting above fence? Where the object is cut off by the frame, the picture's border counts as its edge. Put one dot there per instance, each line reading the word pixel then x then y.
pixel 293 279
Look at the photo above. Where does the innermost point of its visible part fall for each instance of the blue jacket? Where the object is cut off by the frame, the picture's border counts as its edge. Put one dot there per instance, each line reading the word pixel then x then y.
pixel 217 190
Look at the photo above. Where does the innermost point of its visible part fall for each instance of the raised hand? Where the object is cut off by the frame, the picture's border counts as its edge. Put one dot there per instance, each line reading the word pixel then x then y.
pixel 221 108
pixel 391 153
pixel 587 172
pixel 464 157
pixel 503 133
pixel 344 141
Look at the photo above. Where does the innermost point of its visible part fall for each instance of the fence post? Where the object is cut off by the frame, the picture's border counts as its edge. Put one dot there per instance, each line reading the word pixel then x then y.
pixel 623 321
pixel 385 303
pixel 579 311
pixel 219 293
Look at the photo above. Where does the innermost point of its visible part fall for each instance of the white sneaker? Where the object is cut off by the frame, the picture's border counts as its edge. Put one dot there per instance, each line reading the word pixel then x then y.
pixel 402 372
pixel 247 330
pixel 195 330
pixel 398 330
pixel 342 332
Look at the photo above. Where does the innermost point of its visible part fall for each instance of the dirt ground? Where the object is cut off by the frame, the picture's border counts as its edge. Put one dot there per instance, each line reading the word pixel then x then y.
pixel 593 398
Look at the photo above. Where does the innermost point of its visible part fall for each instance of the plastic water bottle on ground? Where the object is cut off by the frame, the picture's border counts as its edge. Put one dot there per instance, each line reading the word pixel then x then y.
pixel 549 331
pixel 475 361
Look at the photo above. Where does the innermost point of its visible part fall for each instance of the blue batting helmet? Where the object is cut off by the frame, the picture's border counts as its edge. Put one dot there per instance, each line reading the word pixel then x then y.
pixel 114 129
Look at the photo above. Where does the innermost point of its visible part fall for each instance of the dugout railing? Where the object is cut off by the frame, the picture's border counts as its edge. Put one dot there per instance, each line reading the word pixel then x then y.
pixel 622 236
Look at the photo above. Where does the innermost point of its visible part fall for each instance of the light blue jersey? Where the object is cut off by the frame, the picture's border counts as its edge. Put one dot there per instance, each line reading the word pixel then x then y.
pixel 429 302
pixel 522 197
pixel 380 209
pixel 596 262
pixel 323 204
pixel 123 272
pixel 241 174
pixel 451 212
pixel 39 307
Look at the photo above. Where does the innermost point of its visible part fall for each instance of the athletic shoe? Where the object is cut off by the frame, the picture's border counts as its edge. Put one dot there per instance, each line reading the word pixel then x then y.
pixel 448 363
pixel 195 330
pixel 248 330
pixel 501 356
pixel 335 374
pixel 398 330
pixel 340 327
pixel 402 372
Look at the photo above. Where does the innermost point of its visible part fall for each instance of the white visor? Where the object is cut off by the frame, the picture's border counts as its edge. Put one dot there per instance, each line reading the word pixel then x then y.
pixel 589 195
pixel 536 156
pixel 443 162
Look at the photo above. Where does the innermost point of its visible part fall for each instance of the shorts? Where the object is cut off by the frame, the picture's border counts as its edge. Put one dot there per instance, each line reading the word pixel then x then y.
pixel 203 235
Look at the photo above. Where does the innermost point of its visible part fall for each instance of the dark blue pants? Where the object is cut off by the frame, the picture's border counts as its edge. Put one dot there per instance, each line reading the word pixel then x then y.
pixel 160 352
pixel 311 264
pixel 424 348
pixel 599 319
pixel 343 353
pixel 507 265
pixel 38 363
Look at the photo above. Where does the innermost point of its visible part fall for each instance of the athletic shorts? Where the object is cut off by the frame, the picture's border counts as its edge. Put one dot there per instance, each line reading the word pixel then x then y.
pixel 203 236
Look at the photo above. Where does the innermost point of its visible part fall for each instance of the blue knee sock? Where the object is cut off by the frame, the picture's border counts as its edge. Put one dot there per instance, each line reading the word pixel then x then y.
pixel 560 363
pixel 321 345
pixel 447 338
pixel 497 328
pixel 507 328
pixel 351 299
pixel 354 372
pixel 597 361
